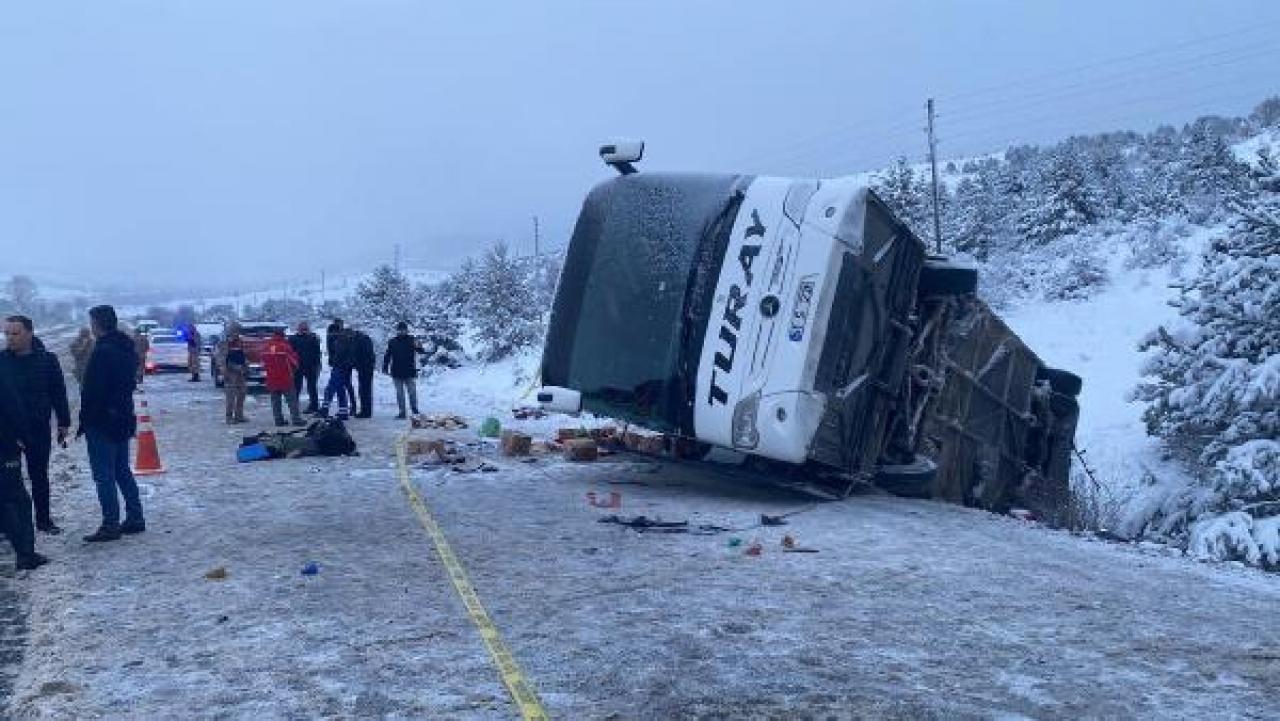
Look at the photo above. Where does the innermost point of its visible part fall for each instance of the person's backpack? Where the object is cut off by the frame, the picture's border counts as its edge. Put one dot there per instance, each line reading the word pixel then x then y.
pixel 331 437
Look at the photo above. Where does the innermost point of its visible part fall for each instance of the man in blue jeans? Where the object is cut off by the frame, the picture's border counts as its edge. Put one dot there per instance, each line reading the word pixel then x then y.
pixel 108 422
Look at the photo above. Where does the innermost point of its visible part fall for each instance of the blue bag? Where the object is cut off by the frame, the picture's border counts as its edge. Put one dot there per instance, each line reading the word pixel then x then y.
pixel 253 452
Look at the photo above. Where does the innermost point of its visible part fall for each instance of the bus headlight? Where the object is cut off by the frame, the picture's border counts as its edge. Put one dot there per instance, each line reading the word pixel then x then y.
pixel 743 429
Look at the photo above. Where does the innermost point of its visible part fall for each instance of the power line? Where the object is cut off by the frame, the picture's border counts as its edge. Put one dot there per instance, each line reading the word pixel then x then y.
pixel 1115 81
pixel 868 133
pixel 1112 61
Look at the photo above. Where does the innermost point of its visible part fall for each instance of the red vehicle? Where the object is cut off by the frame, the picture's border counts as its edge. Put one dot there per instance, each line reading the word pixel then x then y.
pixel 254 336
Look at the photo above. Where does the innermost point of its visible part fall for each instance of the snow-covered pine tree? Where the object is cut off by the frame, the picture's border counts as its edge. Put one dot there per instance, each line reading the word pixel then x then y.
pixel 505 313
pixel 1215 381
pixel 1061 201
pixel 1158 174
pixel 907 196
pixel 1110 175
pixel 1213 177
pixel 1267 113
pixel 384 299
pixel 436 316
pixel 980 211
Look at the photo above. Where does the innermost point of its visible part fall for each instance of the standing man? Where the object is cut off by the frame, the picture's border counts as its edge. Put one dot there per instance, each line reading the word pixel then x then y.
pixel 341 356
pixel 81 348
pixel 281 363
pixel 193 351
pixel 307 345
pixel 36 376
pixel 108 422
pixel 366 360
pixel 141 347
pixel 15 504
pixel 234 365
pixel 401 363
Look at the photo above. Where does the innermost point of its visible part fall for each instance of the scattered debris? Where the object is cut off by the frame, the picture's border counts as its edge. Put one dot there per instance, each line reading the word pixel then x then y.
pixel 773 521
pixel 443 421
pixel 311 569
pixel 581 449
pixel 645 524
pixel 647 442
pixel 526 413
pixel 735 542
pixel 755 549
pixel 474 466
pixel 217 574
pixel 490 428
pixel 515 443
pixel 789 546
pixel 1022 514
pixel 614 501
pixel 424 446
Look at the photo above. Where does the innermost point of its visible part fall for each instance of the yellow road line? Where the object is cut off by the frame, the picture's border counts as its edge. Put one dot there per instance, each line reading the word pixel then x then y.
pixel 522 692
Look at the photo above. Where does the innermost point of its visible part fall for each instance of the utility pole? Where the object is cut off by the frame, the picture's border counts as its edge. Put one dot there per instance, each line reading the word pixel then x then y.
pixel 536 236
pixel 322 295
pixel 933 165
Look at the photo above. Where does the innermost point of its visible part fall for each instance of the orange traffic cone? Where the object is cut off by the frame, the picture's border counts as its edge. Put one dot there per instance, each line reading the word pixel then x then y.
pixel 148 460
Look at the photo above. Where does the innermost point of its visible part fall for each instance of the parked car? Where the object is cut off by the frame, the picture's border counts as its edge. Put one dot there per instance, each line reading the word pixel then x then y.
pixel 167 352
pixel 799 324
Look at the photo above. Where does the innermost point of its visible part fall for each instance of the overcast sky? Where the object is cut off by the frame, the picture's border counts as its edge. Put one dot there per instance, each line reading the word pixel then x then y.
pixel 224 142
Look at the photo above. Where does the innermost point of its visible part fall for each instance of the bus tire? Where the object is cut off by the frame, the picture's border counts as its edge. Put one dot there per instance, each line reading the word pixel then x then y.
pixel 911 480
pixel 938 277
pixel 1064 382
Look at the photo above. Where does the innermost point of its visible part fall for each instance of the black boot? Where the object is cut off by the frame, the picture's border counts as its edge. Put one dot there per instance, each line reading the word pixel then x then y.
pixel 30 562
pixel 103 534
pixel 131 527
pixel 48 526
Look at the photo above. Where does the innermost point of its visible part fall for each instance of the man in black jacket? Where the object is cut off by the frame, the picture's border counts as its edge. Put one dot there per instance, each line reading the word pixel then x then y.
pixel 15 504
pixel 341 359
pixel 107 420
pixel 401 363
pixel 307 346
pixel 365 361
pixel 37 377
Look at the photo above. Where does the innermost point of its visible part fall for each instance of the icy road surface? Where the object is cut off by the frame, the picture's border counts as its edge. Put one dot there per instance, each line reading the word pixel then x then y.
pixel 909 610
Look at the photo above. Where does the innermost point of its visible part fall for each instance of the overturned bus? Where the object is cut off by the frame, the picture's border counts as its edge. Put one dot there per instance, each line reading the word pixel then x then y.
pixel 801 325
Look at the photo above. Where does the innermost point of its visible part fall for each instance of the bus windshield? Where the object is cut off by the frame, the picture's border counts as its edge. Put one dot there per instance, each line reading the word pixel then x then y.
pixel 626 327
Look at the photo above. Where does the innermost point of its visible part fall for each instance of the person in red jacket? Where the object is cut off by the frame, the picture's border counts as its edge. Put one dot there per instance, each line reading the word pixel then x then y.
pixel 280 360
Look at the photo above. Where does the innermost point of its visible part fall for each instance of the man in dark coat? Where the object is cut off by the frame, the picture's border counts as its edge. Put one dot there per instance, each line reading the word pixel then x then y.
pixel 15 504
pixel 37 377
pixel 108 422
pixel 307 345
pixel 341 361
pixel 401 363
pixel 365 361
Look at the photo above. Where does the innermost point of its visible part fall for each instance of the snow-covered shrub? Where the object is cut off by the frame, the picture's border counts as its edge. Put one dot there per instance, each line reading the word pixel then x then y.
pixel 1213 383
pixel 1156 243
pixel 1077 278
pixel 1224 537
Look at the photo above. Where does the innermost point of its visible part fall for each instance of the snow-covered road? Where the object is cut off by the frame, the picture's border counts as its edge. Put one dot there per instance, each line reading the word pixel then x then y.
pixel 910 609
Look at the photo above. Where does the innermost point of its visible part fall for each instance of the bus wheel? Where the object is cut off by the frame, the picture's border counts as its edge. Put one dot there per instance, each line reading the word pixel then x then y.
pixel 1064 382
pixel 941 277
pixel 911 480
